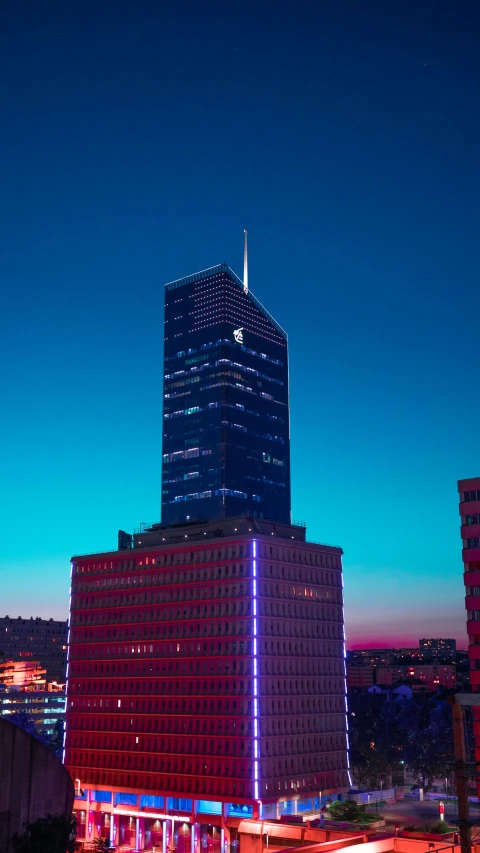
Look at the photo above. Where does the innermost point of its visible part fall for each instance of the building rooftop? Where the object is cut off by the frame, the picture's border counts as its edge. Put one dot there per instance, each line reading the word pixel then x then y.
pixel 224 268
pixel 199 530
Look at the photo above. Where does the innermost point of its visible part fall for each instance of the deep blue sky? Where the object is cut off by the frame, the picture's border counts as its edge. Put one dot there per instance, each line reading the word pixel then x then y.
pixel 137 140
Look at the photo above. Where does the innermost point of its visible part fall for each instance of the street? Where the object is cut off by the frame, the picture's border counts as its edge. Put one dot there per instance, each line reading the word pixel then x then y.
pixel 412 811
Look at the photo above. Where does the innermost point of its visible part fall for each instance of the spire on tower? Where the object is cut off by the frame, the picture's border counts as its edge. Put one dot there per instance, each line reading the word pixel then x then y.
pixel 245 261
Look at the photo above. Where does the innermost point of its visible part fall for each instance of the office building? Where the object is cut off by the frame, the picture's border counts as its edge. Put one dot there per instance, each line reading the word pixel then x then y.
pixel 469 494
pixel 226 446
pixel 206 675
pixel 42 640
pixel 45 708
pixel 438 649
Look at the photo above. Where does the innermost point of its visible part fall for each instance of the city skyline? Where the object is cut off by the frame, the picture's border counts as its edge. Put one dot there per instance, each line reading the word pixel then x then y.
pixel 348 149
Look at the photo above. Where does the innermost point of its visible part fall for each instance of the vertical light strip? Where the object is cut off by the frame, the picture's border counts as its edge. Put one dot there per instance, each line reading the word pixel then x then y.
pixel 256 753
pixel 68 664
pixel 345 685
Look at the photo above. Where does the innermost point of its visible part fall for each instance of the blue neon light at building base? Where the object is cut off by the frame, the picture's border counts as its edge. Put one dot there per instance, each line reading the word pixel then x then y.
pixel 209 807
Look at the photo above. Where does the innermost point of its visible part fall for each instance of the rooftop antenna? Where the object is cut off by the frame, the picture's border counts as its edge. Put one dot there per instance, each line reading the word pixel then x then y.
pixel 245 261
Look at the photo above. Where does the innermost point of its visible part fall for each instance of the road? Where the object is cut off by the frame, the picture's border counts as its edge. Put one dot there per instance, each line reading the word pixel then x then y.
pixel 412 811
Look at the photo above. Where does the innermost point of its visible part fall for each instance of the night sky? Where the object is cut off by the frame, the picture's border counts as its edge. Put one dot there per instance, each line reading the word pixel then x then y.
pixel 137 141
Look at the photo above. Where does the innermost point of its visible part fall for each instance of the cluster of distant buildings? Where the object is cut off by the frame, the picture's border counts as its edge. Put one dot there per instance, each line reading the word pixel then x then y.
pixel 424 668
pixel 33 664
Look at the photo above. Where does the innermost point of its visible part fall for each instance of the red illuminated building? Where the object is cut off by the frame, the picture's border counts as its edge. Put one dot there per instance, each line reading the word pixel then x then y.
pixel 206 683
pixel 206 673
pixel 469 491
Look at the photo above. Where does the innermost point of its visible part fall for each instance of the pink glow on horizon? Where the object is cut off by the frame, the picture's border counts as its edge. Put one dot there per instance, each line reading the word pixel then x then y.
pixel 397 642
pixel 401 625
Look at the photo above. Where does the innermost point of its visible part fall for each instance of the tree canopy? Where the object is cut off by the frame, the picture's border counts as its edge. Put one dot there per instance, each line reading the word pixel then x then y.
pixel 384 733
pixel 50 834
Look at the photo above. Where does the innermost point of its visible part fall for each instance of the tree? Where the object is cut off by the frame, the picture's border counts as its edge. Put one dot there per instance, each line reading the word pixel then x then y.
pixel 101 845
pixel 428 739
pixel 56 740
pixel 348 810
pixel 417 732
pixel 50 834
pixel 26 722
pixel 375 738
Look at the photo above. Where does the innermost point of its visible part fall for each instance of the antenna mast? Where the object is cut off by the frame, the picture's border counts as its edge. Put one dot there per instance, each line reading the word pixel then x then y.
pixel 245 261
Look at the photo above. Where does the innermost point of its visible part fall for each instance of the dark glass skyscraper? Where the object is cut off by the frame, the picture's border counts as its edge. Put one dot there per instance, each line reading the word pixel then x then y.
pixel 226 446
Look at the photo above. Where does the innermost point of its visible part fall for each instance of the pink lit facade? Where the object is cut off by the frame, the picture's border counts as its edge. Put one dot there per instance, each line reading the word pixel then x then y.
pixel 469 493
pixel 206 682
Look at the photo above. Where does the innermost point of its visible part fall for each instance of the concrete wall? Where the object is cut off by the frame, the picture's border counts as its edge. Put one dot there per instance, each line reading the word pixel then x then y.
pixel 33 782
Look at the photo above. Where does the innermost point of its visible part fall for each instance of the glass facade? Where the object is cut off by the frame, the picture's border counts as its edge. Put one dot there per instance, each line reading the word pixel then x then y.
pixel 226 447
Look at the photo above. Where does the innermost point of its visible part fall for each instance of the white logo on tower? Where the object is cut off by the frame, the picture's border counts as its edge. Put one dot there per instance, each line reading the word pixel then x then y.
pixel 238 335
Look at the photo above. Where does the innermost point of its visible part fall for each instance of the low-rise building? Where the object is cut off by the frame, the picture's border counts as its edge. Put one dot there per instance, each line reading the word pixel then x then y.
pixel 24 692
pixel 429 676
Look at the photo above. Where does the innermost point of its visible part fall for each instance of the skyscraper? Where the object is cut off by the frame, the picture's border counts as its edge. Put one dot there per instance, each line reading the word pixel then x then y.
pixel 226 445
pixel 206 672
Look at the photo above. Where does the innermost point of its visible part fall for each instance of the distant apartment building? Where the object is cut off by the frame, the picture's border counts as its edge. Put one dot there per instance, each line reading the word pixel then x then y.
pixel 42 640
pixel 438 649
pixel 359 676
pixel 431 664
pixel 226 442
pixel 429 676
pixel 408 655
pixel 469 494
pixel 370 657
